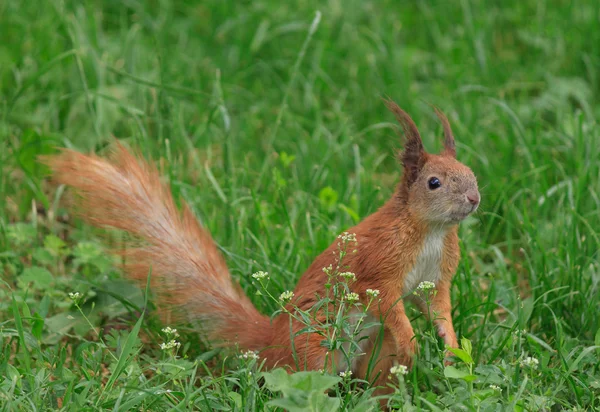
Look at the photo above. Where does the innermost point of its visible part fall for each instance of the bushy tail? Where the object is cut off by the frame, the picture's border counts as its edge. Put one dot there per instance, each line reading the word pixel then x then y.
pixel 188 274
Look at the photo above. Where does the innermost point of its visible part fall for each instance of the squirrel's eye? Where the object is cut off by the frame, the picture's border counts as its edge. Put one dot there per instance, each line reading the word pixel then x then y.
pixel 434 183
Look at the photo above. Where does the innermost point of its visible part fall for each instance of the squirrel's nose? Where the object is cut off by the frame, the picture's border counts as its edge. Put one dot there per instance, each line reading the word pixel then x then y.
pixel 473 197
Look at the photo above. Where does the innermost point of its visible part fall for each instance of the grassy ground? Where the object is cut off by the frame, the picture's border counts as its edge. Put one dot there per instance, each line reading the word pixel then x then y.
pixel 268 121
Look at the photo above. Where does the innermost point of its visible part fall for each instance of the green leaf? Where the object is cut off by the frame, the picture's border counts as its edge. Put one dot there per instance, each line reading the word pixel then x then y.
pixel 290 405
pixel 40 277
pixel 276 380
pixel 62 322
pixel 31 146
pixel 319 401
pixel 301 390
pixel 13 374
pixel 124 359
pixel 37 326
pixel 525 312
pixel 350 212
pixel 313 381
pixel 286 159
pixel 21 332
pixel 86 252
pixel 328 197
pixel 467 346
pixel 91 253
pixel 573 366
pixel 21 234
pixel 278 178
pixel 452 373
pixel 43 256
pixel 54 245
pixel 463 355
pixel 366 404
pixel 236 398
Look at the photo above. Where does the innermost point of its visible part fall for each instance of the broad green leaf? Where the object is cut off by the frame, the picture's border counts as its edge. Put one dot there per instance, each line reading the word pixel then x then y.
pixel 236 398
pixel 319 401
pixel 463 355
pixel 467 346
pixel 62 322
pixel 40 277
pixel 55 245
pixel 43 256
pixel 276 379
pixel 452 373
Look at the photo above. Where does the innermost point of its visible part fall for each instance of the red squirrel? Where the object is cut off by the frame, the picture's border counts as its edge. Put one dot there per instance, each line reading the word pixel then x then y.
pixel 412 238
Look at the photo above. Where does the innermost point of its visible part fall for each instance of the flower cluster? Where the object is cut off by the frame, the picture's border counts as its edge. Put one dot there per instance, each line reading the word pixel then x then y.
pixel 249 355
pixel 170 332
pixel 426 285
pixel 347 237
pixel 74 296
pixel 373 293
pixel 346 374
pixel 399 370
pixel 327 270
pixel 495 388
pixel 530 362
pixel 170 345
pixel 348 276
pixel 286 296
pixel 351 297
pixel 260 275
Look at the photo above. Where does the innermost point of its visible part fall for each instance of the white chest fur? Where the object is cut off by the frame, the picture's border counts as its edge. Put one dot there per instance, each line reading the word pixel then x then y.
pixel 428 264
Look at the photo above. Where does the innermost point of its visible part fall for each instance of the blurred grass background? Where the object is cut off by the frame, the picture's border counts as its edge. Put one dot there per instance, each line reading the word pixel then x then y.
pixel 268 120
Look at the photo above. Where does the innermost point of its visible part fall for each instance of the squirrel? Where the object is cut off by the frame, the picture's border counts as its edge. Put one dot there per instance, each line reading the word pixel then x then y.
pixel 412 238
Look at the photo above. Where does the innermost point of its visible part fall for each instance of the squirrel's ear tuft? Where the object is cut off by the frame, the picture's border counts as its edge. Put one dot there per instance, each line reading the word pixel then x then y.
pixel 413 156
pixel 449 145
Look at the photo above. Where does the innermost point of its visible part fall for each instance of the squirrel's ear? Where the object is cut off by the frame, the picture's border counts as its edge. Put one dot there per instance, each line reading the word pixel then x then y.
pixel 449 145
pixel 413 156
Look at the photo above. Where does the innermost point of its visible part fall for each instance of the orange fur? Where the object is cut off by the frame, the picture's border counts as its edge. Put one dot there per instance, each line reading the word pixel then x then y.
pixel 189 274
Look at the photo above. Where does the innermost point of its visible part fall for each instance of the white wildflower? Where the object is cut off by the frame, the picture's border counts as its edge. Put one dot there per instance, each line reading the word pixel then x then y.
pixel 286 296
pixel 328 269
pixel 351 297
pixel 495 388
pixel 530 362
pixel 346 374
pixel 347 237
pixel 74 296
pixel 170 345
pixel 348 276
pixel 260 275
pixel 373 293
pixel 399 370
pixel 249 355
pixel 170 332
pixel 426 285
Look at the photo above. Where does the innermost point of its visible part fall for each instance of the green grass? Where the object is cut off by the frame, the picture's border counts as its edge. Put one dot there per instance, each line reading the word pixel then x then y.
pixel 277 137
